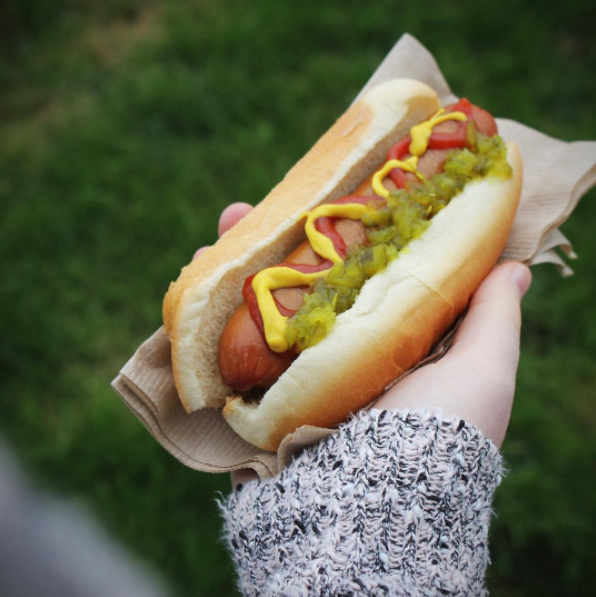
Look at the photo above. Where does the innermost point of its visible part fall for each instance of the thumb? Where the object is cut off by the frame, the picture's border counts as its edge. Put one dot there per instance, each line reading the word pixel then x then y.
pixel 485 350
pixel 475 380
pixel 490 331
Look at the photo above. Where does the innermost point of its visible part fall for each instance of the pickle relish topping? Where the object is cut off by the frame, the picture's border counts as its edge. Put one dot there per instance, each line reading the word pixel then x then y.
pixel 393 219
pixel 391 226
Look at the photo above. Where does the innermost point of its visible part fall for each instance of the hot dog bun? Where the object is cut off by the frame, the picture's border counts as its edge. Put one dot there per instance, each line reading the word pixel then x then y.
pixel 397 318
pixel 399 314
pixel 199 304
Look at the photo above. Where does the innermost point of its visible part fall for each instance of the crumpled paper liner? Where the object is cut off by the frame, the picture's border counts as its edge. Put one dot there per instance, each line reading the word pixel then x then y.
pixel 556 175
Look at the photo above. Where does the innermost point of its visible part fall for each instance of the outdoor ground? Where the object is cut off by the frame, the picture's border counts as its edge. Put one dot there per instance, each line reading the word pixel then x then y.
pixel 126 126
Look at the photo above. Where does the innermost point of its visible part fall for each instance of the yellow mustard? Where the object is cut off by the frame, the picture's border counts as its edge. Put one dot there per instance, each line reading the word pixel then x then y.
pixel 421 133
pixel 321 244
pixel 273 278
pixel 410 165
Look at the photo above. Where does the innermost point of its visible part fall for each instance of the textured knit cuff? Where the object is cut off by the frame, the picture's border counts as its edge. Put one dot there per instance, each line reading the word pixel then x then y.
pixel 396 503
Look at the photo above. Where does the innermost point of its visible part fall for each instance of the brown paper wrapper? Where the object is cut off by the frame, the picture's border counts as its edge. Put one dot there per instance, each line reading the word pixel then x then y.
pixel 556 175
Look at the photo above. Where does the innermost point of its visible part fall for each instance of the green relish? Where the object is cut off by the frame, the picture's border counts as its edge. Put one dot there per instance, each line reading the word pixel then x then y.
pixel 391 225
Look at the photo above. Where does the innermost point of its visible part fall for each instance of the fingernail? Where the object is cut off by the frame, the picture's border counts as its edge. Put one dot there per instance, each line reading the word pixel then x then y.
pixel 201 250
pixel 522 276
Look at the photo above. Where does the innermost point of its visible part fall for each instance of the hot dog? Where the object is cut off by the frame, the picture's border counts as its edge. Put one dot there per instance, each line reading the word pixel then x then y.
pixel 408 294
pixel 245 358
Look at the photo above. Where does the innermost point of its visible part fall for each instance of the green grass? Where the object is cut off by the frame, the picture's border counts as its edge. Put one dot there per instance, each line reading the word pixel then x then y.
pixel 127 126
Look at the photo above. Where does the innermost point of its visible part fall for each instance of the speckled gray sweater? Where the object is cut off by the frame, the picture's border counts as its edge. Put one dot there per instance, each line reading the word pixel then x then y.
pixel 395 503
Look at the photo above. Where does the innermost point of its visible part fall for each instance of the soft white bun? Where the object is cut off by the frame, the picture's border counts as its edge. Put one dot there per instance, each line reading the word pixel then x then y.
pixel 208 291
pixel 399 315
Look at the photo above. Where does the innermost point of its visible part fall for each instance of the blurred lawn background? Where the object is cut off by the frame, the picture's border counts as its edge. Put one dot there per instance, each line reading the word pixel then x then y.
pixel 127 125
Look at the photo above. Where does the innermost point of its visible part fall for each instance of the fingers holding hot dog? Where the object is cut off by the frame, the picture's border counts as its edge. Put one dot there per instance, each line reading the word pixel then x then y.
pixel 230 216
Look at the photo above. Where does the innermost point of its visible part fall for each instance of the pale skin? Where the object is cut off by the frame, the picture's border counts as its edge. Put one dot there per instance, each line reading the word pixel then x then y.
pixel 475 380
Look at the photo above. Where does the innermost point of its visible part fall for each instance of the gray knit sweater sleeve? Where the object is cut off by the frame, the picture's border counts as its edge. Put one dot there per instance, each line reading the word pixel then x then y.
pixel 395 503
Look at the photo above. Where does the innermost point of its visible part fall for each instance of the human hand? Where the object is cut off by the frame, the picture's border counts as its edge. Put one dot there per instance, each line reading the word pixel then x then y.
pixel 475 380
pixel 230 216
